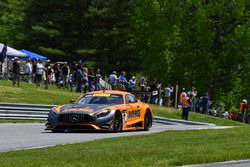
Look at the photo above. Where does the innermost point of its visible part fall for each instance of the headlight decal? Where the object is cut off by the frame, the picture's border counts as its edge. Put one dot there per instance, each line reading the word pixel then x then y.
pixel 53 113
pixel 103 113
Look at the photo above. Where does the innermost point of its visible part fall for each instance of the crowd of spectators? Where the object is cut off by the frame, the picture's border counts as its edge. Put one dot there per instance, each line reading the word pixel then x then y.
pixel 83 79
pixel 79 78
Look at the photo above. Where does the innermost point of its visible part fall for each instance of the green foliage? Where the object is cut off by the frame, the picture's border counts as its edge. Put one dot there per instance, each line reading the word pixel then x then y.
pixel 201 43
pixel 233 110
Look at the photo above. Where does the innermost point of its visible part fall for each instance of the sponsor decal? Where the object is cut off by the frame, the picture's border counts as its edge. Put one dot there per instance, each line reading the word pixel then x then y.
pixel 134 113
pixel 102 94
pixel 124 116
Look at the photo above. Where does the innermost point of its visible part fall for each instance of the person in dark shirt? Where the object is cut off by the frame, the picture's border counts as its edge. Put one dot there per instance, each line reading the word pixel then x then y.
pixel 46 71
pixel 205 105
pixel 74 74
pixel 16 71
pixel 91 79
pixel 98 76
pixel 65 73
pixel 57 71
pixel 34 71
pixel 79 78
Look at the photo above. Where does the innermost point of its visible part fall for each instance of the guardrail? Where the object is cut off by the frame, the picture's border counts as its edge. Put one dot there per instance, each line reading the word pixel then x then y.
pixel 22 111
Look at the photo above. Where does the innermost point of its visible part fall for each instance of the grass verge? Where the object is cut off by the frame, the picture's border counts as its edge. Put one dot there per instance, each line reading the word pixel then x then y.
pixel 20 121
pixel 197 117
pixel 162 149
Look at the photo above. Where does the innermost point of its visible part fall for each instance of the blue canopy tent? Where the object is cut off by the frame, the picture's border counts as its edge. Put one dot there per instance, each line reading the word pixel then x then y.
pixel 32 55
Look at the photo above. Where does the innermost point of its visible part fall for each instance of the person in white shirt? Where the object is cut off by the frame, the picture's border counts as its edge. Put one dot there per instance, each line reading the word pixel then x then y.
pixel 39 73
pixel 193 95
pixel 168 92
pixel 28 71
pixel 131 83
pixel 112 80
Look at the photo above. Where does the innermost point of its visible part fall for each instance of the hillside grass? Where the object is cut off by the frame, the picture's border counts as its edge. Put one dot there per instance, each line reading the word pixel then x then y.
pixel 28 93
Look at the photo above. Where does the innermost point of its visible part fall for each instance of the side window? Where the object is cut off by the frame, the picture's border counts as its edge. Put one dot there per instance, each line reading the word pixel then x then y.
pixel 135 99
pixel 131 99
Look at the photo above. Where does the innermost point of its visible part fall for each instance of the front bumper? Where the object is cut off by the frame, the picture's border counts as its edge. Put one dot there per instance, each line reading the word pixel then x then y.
pixel 78 121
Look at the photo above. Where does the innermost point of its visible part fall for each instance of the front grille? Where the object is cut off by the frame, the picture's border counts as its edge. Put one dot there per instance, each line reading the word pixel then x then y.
pixel 74 118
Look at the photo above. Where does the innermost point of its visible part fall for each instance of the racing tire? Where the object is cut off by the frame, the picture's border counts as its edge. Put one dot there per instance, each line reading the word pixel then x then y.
pixel 148 120
pixel 117 124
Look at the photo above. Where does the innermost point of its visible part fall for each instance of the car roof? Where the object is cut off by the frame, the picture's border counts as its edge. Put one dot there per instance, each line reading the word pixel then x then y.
pixel 110 92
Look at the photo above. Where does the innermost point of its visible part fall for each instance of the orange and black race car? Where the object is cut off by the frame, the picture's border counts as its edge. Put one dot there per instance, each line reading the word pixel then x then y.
pixel 102 110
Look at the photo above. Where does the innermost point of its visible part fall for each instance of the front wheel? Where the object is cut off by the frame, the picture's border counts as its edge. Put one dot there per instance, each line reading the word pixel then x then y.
pixel 117 124
pixel 148 120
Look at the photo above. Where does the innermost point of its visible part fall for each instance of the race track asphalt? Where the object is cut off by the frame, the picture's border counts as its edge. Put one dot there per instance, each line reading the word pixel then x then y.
pixel 19 136
pixel 241 163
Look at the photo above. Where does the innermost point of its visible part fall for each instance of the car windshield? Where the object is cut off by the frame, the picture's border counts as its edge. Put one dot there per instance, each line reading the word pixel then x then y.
pixel 101 99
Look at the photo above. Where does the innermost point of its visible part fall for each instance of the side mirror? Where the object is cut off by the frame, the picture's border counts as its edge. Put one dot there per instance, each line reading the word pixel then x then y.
pixel 72 101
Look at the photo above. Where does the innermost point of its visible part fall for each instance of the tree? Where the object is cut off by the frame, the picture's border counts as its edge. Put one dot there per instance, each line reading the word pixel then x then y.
pixel 11 21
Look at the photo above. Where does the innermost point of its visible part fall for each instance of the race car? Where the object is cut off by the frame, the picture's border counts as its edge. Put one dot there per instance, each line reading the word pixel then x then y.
pixel 108 110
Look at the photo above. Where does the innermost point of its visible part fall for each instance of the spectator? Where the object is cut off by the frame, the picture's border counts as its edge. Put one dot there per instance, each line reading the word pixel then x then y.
pixel 65 73
pixel 225 115
pixel 53 78
pixel 28 71
pixel 168 92
pixel 98 76
pixel 185 107
pixel 34 70
pixel 39 72
pixel 243 110
pixel 91 79
pixel 232 116
pixel 122 81
pixel 158 88
pixel 57 71
pixel 46 74
pixel 74 73
pixel 142 84
pixel 154 92
pixel 193 95
pixel 131 83
pixel 50 74
pixel 182 95
pixel 85 79
pixel 79 78
pixel 205 105
pixel 16 71
pixel 112 80
pixel 70 82
pixel 61 83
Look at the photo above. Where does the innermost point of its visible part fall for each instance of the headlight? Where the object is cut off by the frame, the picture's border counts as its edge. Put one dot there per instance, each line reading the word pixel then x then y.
pixel 53 113
pixel 103 113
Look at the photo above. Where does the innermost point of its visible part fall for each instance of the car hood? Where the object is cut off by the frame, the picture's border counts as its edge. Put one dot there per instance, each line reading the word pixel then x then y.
pixel 89 108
